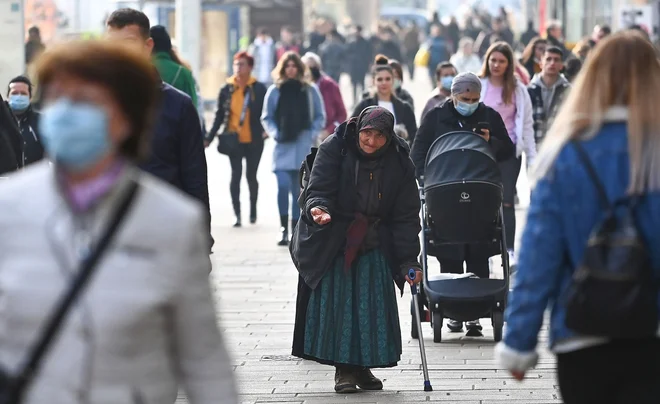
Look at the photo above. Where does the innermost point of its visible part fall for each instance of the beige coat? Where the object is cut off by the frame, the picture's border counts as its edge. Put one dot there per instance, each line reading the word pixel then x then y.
pixel 146 324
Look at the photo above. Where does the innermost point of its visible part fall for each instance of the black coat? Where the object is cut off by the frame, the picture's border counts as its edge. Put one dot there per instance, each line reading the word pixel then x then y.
pixel 444 119
pixel 403 113
pixel 255 106
pixel 10 140
pixel 332 185
pixel 177 147
pixel 33 150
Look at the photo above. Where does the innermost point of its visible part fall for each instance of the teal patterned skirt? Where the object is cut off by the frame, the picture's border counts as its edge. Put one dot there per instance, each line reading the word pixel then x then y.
pixel 352 317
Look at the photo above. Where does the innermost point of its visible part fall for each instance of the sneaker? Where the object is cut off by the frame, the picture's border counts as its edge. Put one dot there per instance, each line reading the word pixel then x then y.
pixel 474 328
pixel 345 382
pixel 455 326
pixel 366 380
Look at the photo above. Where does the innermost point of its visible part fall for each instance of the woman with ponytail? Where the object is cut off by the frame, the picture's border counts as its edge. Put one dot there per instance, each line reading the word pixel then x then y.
pixel 384 95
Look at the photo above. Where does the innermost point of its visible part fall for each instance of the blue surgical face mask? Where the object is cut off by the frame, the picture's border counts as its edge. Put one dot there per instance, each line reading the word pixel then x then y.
pixel 19 102
pixel 75 134
pixel 465 109
pixel 446 82
pixel 397 84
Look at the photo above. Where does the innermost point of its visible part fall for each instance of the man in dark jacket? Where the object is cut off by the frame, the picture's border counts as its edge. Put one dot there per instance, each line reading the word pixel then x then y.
pixel 360 54
pixel 19 100
pixel 461 112
pixel 177 145
pixel 10 146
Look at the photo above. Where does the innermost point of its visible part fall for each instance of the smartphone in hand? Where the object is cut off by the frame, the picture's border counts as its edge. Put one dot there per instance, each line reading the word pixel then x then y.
pixel 481 126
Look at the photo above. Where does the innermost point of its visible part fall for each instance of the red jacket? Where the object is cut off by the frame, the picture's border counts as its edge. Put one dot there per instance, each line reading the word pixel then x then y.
pixel 335 111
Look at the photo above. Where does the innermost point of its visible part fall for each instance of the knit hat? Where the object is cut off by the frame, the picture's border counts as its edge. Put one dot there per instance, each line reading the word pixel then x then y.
pixel 162 40
pixel 465 82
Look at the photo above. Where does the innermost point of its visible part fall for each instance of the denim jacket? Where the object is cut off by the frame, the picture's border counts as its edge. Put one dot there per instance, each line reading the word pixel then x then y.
pixel 563 211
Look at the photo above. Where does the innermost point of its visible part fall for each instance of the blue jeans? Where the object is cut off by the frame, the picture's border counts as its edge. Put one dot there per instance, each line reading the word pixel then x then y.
pixel 288 185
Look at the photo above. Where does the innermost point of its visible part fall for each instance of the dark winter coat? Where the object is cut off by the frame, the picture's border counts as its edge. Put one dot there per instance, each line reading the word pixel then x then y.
pixel 10 140
pixel 444 119
pixel 33 150
pixel 333 185
pixel 403 113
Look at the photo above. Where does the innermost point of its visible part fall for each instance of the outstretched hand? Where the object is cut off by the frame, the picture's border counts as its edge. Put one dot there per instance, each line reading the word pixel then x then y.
pixel 320 216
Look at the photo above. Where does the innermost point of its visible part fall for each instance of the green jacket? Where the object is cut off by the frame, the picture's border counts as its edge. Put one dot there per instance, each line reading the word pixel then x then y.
pixel 175 75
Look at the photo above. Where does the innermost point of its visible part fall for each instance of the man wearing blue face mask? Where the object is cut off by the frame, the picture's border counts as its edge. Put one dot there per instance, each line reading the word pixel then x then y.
pixel 444 73
pixel 10 140
pixel 19 98
pixel 462 111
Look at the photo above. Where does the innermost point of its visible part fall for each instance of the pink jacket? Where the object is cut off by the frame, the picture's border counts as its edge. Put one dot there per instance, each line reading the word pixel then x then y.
pixel 335 111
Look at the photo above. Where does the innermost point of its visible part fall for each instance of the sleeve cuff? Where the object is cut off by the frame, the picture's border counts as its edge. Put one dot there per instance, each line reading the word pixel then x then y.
pixel 513 360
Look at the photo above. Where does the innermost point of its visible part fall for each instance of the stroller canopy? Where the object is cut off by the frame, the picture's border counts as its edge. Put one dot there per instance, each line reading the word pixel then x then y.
pixel 460 156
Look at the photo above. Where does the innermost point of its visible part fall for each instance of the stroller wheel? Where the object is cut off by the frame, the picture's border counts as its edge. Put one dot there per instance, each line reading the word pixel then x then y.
pixel 498 324
pixel 414 332
pixel 437 327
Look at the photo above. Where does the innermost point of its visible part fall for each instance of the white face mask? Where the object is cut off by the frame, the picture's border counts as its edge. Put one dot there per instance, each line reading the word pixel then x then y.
pixel 397 84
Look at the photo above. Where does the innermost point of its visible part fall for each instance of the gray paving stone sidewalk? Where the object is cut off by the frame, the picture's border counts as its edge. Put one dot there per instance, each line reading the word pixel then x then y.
pixel 255 283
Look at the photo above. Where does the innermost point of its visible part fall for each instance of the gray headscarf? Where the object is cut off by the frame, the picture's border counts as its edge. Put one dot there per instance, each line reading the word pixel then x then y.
pixel 465 82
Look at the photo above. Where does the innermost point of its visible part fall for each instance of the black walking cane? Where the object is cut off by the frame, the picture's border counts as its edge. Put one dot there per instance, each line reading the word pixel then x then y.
pixel 415 290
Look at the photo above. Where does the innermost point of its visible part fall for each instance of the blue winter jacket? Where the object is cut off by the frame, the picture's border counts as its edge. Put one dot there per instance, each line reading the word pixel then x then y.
pixel 563 211
pixel 288 156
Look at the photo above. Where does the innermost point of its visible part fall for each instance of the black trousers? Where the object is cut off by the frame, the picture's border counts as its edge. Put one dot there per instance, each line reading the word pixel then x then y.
pixel 510 170
pixel 476 259
pixel 621 372
pixel 251 152
pixel 358 88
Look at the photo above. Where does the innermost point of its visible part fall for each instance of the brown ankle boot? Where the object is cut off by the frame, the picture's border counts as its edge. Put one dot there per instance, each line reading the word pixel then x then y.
pixel 366 380
pixel 345 381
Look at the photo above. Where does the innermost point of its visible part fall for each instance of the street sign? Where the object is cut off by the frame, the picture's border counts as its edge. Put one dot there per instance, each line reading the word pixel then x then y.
pixel 12 40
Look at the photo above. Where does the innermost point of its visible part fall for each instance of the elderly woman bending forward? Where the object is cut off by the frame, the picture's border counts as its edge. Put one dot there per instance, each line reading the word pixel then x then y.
pixel 362 211
pixel 145 324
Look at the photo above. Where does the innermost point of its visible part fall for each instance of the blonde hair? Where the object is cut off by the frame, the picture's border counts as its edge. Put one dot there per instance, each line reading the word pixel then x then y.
pixel 605 83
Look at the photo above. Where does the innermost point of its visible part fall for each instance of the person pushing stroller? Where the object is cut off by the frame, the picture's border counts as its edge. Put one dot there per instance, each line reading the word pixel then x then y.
pixel 463 111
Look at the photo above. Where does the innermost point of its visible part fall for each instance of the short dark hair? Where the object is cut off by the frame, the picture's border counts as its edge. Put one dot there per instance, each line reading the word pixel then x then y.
pixel 262 31
pixel 555 50
pixel 606 29
pixel 21 79
pixel 127 16
pixel 128 76
pixel 444 65
pixel 244 55
pixel 34 30
pixel 358 28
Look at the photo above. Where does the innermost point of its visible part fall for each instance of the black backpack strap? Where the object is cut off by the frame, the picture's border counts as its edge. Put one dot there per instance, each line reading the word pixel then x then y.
pixel 586 162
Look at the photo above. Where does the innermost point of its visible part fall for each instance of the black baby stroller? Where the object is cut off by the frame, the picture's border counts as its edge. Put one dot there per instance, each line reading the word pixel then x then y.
pixel 462 204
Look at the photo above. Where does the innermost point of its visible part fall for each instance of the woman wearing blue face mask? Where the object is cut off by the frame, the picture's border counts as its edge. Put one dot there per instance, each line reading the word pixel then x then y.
pixel 19 100
pixel 145 323
pixel 463 112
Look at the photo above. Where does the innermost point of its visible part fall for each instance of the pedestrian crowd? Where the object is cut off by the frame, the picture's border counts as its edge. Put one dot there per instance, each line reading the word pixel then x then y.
pixel 113 143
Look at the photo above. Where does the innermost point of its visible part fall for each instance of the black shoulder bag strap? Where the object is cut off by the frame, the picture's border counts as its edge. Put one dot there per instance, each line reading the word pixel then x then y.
pixel 17 384
pixel 586 162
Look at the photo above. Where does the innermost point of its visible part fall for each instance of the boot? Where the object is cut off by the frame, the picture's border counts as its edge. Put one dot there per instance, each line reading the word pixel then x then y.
pixel 237 212
pixel 284 231
pixel 345 381
pixel 253 212
pixel 366 380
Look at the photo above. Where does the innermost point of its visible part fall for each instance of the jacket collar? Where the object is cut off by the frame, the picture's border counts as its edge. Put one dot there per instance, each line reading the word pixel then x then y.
pixel 616 113
pixel 561 81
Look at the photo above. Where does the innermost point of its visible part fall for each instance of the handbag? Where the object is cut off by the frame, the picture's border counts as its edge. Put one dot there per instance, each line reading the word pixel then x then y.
pixel 613 293
pixel 13 387
pixel 228 143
